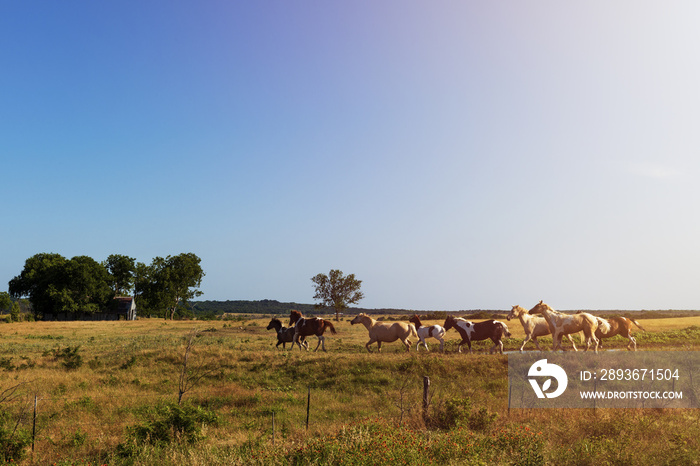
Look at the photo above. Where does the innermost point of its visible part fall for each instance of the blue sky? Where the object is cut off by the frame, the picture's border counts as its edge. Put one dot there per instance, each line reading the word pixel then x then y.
pixel 452 155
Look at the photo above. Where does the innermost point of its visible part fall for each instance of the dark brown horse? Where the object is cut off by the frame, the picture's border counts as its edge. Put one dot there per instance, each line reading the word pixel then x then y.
pixel 470 331
pixel 307 326
pixel 284 334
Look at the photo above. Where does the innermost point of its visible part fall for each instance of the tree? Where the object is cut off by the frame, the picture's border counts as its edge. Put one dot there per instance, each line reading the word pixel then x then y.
pixel 167 282
pixel 57 285
pixel 336 291
pixel 5 301
pixel 122 269
pixel 42 275
pixel 15 315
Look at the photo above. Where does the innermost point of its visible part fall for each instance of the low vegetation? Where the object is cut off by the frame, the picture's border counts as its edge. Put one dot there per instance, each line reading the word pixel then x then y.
pixel 107 393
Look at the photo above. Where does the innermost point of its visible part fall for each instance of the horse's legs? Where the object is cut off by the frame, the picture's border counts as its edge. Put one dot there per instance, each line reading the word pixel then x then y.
pixel 442 344
pixel 557 341
pixel 459 347
pixel 633 342
pixel 573 344
pixel 321 340
pixel 296 340
pixel 371 340
pixel 379 346
pixel 527 338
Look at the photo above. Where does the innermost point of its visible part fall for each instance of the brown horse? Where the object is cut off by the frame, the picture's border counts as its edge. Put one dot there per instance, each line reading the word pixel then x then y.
pixel 618 326
pixel 307 326
pixel 565 324
pixel 284 334
pixel 384 332
pixel 469 331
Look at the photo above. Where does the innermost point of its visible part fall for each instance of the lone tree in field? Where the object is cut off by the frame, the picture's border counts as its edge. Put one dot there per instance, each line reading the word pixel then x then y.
pixel 336 291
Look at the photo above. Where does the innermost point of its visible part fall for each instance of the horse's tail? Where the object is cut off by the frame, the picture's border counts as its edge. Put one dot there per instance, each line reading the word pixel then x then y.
pixel 637 324
pixel 506 332
pixel 329 325
pixel 413 330
pixel 603 325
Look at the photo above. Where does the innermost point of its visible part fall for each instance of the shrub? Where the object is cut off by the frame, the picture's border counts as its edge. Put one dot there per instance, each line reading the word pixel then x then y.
pixel 457 412
pixel 13 439
pixel 69 357
pixel 168 423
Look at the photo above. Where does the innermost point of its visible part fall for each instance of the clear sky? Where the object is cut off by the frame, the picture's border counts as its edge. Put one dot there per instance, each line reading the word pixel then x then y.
pixel 451 154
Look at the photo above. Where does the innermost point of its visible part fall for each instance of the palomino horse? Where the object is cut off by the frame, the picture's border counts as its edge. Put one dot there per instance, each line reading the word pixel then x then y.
pixel 618 326
pixel 384 332
pixel 565 324
pixel 284 334
pixel 469 331
pixel 434 331
pixel 307 326
pixel 534 326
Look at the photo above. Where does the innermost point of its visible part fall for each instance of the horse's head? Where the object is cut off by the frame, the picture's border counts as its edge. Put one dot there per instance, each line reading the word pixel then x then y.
pixel 294 316
pixel 274 323
pixel 359 319
pixel 516 312
pixel 540 308
pixel 414 318
pixel 449 323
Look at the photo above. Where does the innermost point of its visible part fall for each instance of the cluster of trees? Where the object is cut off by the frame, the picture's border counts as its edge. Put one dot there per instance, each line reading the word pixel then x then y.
pixel 81 285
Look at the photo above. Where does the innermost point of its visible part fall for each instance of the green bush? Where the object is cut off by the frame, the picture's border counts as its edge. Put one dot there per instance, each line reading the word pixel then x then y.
pixel 457 412
pixel 165 424
pixel 69 357
pixel 13 439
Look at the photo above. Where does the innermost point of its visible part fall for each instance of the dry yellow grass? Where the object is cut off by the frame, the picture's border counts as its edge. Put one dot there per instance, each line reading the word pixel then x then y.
pixel 131 365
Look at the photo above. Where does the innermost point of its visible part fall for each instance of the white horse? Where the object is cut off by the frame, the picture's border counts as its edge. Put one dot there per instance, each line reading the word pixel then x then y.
pixel 434 331
pixel 563 324
pixel 534 326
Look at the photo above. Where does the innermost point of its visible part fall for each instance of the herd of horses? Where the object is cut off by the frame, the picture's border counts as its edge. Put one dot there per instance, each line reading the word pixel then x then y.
pixel 539 321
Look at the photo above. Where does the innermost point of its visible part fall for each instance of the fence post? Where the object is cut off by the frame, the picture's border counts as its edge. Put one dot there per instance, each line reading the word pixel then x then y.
pixel 34 424
pixel 426 399
pixel 308 405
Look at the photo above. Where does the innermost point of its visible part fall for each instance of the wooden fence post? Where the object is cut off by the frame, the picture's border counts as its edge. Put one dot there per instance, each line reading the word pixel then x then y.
pixel 426 399
pixel 308 405
pixel 34 425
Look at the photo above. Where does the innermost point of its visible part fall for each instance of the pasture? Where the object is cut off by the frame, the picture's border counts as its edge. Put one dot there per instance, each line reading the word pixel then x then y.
pixel 99 384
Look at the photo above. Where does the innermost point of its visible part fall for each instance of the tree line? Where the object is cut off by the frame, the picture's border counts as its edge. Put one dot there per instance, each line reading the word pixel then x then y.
pixel 54 284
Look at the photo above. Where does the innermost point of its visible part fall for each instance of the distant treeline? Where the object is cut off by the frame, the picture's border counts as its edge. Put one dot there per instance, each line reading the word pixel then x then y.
pixel 270 306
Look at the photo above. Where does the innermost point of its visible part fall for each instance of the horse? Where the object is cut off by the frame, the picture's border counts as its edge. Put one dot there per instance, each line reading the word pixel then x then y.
pixel 307 326
pixel 470 331
pixel 284 334
pixel 434 331
pixel 617 325
pixel 534 326
pixel 384 332
pixel 562 324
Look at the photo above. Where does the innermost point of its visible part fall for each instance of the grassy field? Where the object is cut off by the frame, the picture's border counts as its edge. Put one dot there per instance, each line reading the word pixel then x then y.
pixel 107 394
